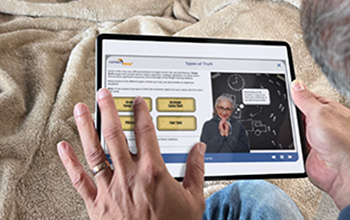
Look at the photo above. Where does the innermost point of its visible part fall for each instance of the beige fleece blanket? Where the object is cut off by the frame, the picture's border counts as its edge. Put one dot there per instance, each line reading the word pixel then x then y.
pixel 47 55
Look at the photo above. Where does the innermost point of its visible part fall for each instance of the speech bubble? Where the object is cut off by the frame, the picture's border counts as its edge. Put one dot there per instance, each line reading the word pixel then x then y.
pixel 256 96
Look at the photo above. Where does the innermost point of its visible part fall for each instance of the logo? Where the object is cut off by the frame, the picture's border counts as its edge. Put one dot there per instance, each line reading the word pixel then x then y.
pixel 120 61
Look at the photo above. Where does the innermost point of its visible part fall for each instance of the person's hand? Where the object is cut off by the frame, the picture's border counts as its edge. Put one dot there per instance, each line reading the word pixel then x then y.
pixel 327 125
pixel 226 128
pixel 221 127
pixel 140 187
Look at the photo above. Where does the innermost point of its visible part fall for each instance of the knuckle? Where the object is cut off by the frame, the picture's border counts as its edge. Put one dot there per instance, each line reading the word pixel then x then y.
pixel 143 127
pixel 77 180
pixel 304 97
pixel 94 155
pixel 198 168
pixel 68 160
pixel 114 194
pixel 111 133
pixel 152 173
pixel 102 207
pixel 202 205
pixel 321 111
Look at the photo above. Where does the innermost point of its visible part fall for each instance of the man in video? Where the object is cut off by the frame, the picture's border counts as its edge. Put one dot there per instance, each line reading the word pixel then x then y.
pixel 223 133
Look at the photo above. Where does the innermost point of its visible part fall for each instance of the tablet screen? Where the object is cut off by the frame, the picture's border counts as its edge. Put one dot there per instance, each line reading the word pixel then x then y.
pixel 232 95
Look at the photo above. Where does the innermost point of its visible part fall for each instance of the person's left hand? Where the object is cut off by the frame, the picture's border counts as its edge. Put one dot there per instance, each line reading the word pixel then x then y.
pixel 327 133
pixel 140 187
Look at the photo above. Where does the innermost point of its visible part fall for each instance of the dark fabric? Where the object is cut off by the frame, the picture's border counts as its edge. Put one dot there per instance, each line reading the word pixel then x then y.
pixel 345 214
pixel 236 142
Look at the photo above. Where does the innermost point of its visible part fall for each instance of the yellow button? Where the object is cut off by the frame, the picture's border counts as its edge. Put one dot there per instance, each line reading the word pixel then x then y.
pixel 128 122
pixel 176 105
pixel 176 123
pixel 124 104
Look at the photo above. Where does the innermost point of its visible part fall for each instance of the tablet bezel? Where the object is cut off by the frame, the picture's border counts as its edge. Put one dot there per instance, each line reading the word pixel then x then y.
pixel 98 85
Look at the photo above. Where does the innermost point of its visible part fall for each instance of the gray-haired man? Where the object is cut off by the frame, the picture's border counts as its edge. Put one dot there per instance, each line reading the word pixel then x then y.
pixel 326 25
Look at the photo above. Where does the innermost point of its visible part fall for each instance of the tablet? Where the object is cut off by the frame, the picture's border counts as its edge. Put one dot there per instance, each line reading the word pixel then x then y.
pixel 233 95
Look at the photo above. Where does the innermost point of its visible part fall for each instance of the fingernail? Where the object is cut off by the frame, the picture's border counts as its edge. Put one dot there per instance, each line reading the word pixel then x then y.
pixel 137 100
pixel 61 147
pixel 102 93
pixel 298 85
pixel 202 148
pixel 79 109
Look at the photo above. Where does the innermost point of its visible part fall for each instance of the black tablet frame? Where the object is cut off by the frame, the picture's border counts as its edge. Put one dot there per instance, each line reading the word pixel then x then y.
pixel 98 84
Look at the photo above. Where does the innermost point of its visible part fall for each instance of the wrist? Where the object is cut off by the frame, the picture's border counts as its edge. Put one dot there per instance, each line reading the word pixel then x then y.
pixel 341 197
pixel 340 191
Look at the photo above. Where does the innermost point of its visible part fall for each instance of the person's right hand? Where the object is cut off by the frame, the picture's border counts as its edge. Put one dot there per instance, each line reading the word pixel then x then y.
pixel 140 186
pixel 327 127
pixel 226 128
pixel 221 127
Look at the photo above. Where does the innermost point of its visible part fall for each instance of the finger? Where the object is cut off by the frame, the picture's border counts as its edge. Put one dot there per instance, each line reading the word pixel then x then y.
pixel 145 135
pixel 92 149
pixel 222 131
pixel 112 131
pixel 308 146
pixel 79 178
pixel 194 176
pixel 320 98
pixel 303 98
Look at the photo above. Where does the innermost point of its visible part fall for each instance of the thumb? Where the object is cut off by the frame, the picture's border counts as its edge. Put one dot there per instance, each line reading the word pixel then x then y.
pixel 194 176
pixel 303 98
